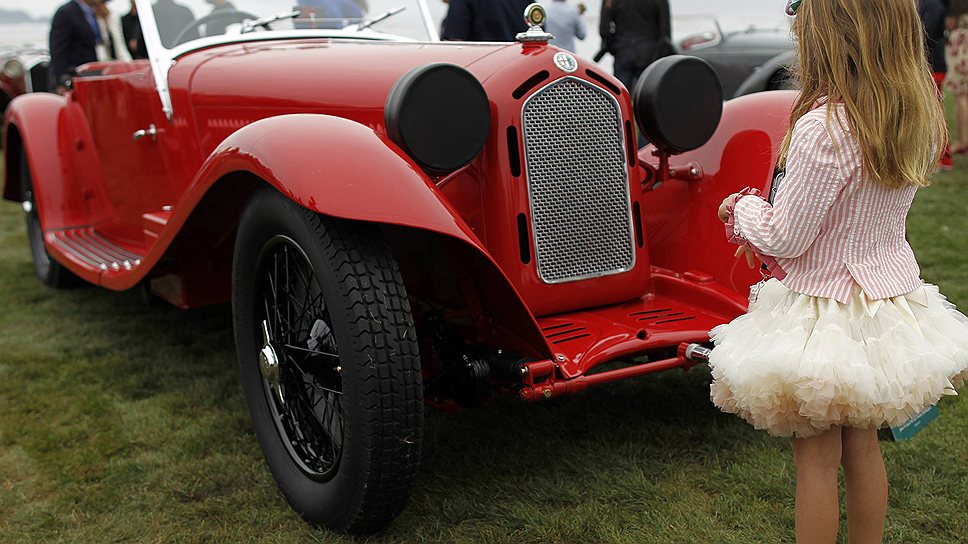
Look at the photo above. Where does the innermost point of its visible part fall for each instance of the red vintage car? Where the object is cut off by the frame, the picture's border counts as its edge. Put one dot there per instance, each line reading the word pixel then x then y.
pixel 397 222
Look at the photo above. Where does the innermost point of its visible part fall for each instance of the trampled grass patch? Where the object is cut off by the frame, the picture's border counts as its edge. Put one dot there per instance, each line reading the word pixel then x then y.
pixel 122 422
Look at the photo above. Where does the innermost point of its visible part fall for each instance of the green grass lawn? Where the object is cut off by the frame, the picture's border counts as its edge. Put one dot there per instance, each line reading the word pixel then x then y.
pixel 121 422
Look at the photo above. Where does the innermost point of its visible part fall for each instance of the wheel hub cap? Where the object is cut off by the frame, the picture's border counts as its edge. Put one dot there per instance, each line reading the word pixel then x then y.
pixel 269 364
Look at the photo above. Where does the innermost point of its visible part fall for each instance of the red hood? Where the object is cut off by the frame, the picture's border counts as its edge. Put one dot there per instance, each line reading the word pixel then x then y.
pixel 336 75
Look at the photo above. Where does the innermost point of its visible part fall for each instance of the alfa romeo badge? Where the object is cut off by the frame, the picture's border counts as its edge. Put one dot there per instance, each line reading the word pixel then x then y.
pixel 566 62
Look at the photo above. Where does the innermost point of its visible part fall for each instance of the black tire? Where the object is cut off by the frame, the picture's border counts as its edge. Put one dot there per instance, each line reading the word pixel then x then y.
pixel 355 477
pixel 50 272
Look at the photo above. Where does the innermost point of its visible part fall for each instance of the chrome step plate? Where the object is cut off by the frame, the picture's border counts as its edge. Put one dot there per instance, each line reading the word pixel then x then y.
pixel 89 247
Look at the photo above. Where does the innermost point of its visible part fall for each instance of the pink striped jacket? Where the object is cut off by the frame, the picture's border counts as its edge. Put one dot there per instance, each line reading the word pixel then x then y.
pixel 831 226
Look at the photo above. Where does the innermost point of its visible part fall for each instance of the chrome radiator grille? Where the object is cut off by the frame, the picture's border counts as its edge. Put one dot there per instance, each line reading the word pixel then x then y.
pixel 577 181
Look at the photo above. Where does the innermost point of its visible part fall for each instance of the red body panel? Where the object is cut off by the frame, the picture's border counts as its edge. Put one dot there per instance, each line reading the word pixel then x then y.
pixel 279 112
pixel 683 230
pixel 503 196
pixel 133 174
pixel 677 311
pixel 46 120
pixel 220 90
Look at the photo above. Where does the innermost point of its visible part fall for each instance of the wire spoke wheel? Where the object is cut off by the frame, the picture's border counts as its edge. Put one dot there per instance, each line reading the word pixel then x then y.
pixel 302 385
pixel 329 362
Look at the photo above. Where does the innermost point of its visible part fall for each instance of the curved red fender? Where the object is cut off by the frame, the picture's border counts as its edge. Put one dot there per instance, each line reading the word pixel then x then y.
pixel 338 168
pixel 39 120
pixel 335 167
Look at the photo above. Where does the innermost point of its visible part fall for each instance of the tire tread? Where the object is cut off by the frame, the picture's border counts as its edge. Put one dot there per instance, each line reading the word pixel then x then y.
pixel 391 388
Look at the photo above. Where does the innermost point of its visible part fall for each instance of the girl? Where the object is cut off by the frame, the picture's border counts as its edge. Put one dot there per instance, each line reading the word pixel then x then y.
pixel 845 338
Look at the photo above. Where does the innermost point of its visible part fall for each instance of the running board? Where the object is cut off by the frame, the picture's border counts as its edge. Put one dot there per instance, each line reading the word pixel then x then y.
pixel 89 247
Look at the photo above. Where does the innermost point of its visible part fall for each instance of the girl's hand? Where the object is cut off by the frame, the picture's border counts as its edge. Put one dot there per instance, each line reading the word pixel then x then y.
pixel 728 201
pixel 748 253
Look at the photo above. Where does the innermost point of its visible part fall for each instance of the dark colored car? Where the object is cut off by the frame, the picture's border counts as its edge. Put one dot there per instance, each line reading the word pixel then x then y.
pixel 23 71
pixel 747 61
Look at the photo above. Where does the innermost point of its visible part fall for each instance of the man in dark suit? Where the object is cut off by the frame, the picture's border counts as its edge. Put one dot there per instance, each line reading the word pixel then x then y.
pixel 131 28
pixel 74 35
pixel 484 20
pixel 637 33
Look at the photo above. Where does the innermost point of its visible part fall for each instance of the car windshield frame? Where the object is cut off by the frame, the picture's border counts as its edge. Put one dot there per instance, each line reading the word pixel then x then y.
pixel 163 58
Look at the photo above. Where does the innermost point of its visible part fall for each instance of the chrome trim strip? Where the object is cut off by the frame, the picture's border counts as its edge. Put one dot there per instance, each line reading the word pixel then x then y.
pixel 114 251
pixel 80 241
pixel 627 194
pixel 92 248
pixel 55 239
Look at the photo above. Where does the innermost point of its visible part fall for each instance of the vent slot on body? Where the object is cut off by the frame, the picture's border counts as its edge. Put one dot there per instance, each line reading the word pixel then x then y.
pixel 531 83
pixel 604 81
pixel 514 155
pixel 565 332
pixel 575 162
pixel 661 316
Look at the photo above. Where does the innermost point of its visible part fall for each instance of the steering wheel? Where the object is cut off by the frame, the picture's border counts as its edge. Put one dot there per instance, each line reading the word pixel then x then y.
pixel 227 17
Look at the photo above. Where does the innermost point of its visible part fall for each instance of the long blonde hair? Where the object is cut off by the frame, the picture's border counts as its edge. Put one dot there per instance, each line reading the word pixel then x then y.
pixel 869 55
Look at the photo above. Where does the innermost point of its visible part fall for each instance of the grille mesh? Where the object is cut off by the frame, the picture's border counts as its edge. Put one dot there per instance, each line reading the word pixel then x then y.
pixel 575 158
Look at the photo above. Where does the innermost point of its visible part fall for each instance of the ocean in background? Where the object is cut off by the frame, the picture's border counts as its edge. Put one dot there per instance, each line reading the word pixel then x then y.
pixel 24 34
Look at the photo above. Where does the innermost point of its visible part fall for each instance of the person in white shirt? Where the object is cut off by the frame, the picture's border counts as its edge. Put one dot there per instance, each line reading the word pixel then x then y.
pixel 113 47
pixel 565 22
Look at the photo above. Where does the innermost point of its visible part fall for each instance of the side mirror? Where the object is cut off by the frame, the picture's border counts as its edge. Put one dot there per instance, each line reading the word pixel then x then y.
pixel 678 105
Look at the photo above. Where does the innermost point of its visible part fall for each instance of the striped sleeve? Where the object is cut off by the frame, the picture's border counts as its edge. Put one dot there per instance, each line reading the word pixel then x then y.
pixel 813 181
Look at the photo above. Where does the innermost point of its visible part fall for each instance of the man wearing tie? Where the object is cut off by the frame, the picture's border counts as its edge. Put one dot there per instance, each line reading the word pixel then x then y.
pixel 74 36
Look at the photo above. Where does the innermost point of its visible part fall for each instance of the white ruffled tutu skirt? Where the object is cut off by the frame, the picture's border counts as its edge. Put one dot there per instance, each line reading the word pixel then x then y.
pixel 798 365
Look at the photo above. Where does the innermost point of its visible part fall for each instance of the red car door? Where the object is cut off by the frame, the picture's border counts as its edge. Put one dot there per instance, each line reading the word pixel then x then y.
pixel 123 113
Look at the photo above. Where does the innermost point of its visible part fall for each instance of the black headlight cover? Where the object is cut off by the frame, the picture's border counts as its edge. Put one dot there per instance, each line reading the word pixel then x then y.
pixel 678 103
pixel 440 115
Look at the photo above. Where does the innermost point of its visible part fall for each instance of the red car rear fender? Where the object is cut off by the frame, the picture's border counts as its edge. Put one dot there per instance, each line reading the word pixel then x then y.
pixel 31 119
pixel 343 169
pixel 34 124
